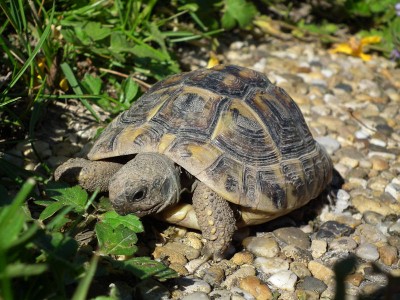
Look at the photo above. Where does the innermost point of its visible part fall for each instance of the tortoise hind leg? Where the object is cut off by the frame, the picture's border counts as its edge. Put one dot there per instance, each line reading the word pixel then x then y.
pixel 88 174
pixel 216 221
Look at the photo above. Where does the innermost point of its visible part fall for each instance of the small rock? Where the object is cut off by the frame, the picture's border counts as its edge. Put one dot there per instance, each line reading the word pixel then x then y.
pixel 349 162
pixel 239 294
pixel 243 257
pixel 196 265
pixel 393 189
pixel 180 269
pixel 368 252
pixel 214 275
pixel 233 279
pixel 333 229
pixel 271 265
pixel 191 285
pixel 196 296
pixel 320 271
pixel 388 254
pixel 293 236
pixel 221 294
pixel 318 248
pixel 284 280
pixel 265 246
pixel 256 288
pixel 379 164
pixel 369 234
pixel 172 255
pixel 363 204
pixel 297 253
pixel 330 144
pixel 343 244
pixel 372 218
pixel 355 279
pixel 394 229
pixel 377 184
pixel 312 284
pixel 299 269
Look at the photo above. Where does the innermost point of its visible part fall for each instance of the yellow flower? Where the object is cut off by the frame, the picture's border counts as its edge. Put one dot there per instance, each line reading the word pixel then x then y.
pixel 356 47
pixel 213 61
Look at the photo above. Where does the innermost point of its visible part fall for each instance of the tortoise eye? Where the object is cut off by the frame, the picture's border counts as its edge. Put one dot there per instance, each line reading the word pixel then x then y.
pixel 140 194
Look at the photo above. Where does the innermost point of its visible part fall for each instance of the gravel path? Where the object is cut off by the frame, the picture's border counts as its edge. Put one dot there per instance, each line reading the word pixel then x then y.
pixel 352 108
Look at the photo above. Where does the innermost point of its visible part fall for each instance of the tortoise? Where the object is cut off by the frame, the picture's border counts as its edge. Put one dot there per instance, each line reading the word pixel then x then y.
pixel 237 143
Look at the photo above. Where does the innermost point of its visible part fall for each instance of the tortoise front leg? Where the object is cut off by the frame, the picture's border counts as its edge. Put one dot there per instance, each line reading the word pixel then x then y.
pixel 216 221
pixel 88 174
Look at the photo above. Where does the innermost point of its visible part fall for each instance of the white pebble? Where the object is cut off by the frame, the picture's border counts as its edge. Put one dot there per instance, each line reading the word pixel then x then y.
pixel 284 280
pixel 368 252
pixel 271 265
pixel 330 144
pixel 394 190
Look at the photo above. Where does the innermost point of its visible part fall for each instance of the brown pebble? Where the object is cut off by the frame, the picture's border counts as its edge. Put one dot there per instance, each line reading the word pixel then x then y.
pixel 214 275
pixel 256 288
pixel 180 269
pixel 355 279
pixel 388 254
pixel 379 164
pixel 243 257
pixel 320 271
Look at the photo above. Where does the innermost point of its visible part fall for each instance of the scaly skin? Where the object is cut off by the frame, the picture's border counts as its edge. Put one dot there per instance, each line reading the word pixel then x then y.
pixel 89 174
pixel 216 220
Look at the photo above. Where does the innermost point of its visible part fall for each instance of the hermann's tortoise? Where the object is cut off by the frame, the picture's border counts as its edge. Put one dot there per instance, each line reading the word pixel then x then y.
pixel 226 134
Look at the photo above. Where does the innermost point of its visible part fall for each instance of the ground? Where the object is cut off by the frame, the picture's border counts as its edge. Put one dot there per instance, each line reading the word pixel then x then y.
pixel 352 108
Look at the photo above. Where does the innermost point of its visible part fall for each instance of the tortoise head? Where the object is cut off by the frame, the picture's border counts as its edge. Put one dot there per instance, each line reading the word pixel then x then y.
pixel 145 185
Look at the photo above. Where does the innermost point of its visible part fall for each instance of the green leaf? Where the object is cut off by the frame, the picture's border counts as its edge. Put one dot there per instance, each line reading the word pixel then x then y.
pixel 73 196
pixel 145 267
pixel 114 220
pixel 119 43
pixel 129 91
pixel 51 210
pixel 12 217
pixel 118 241
pixel 92 84
pixel 238 11
pixel 95 31
pixel 22 270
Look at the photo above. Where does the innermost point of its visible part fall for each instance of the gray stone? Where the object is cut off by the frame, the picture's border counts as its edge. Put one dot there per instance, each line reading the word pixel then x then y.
pixel 293 236
pixel 312 284
pixel 333 229
pixel 265 246
pixel 368 252
pixel 196 296
pixel 284 280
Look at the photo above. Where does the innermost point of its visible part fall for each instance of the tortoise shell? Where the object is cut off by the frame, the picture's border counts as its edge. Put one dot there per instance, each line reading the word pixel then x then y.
pixel 232 129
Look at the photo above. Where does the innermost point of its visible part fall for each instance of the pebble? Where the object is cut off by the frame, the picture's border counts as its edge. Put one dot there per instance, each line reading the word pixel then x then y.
pixel 265 246
pixel 191 285
pixel 271 265
pixel 312 284
pixel 333 229
pixel 330 144
pixel 214 275
pixel 284 280
pixel 196 296
pixel 300 269
pixel 320 271
pixel 343 244
pixel 393 189
pixel 318 248
pixel 242 272
pixel 388 254
pixel 293 236
pixel 258 289
pixel 243 257
pixel 297 253
pixel 368 252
